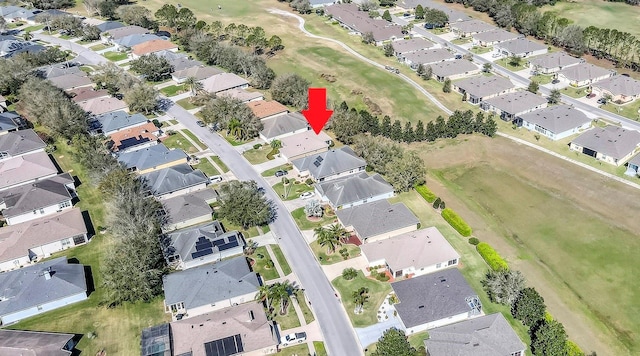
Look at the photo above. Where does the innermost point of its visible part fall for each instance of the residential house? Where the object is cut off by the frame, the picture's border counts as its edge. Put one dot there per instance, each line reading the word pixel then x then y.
pixel 555 122
pixel 427 57
pixel 153 46
pixel 103 105
pixel 304 144
pixel 242 95
pixel 57 70
pixel 20 143
pixel 620 88
pixel 490 38
pixel 198 71
pixel 201 244
pixel 41 16
pixel 329 165
pixel 611 144
pixel 320 3
pixel 553 62
pixel 481 88
pixel 223 81
pixel 454 70
pixel 175 180
pixel 22 15
pixel 112 122
pixel 109 26
pixel 401 47
pixel 10 121
pixel 354 190
pixel 264 109
pixel 26 169
pixel 378 220
pixel 152 158
pixel 86 93
pixel 20 342
pixel 209 287
pixel 584 74
pixel 134 138
pixel 25 243
pixel 71 81
pixel 359 22
pixel 435 299
pixel 9 48
pixel 471 27
pixel 127 42
pixel 40 288
pixel 116 34
pixel 453 15
pixel 511 105
pixel 240 330
pixel 412 254
pixel 189 209
pixel 487 335
pixel 633 166
pixel 40 198
pixel 8 10
pixel 521 47
pixel 3 103
pixel 277 127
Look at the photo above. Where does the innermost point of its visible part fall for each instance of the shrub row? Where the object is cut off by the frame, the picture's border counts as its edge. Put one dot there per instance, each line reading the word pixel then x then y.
pixel 426 193
pixel 492 257
pixel 456 222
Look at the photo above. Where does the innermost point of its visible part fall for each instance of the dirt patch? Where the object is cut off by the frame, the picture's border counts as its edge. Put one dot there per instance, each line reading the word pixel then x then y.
pixel 328 77
pixel 373 108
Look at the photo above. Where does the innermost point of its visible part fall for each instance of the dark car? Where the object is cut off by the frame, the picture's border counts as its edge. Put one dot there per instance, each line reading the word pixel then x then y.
pixel 280 173
pixel 200 123
pixel 602 101
pixel 555 81
pixel 591 95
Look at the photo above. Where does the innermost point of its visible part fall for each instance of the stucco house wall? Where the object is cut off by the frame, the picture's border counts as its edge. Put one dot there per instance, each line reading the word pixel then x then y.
pixel 35 214
pixel 17 316
pixel 437 323
pixel 183 191
pixel 555 136
pixel 389 234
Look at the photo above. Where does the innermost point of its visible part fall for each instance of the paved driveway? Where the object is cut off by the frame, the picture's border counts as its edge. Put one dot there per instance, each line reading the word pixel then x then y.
pixel 371 334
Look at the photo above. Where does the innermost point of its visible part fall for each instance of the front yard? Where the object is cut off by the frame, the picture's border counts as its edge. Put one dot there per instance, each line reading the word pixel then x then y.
pixel 270 172
pixel 480 49
pixel 334 257
pixel 172 90
pixel 305 224
pixel 186 104
pixel 263 264
pixel 462 40
pixel 194 138
pixel 286 269
pixel 115 56
pixel 206 167
pixel 220 164
pixel 575 92
pixel 259 155
pixel 293 189
pixel 378 291
pixel 179 142
pixel 631 110
pixel 506 63
pixel 542 78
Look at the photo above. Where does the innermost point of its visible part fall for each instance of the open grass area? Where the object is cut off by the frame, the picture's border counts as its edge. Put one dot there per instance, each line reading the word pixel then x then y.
pixel 630 110
pixel 378 291
pixel 270 172
pixel 33 28
pixel 87 69
pixel 286 269
pixel 506 63
pixel 575 92
pixel 172 90
pixel 194 138
pixel 416 340
pixel 206 167
pixel 333 257
pixel 289 320
pixel 480 49
pixel 297 350
pixel 179 142
pixel 220 164
pixel 292 190
pixel 304 306
pixel 99 47
pixel 115 56
pixel 186 104
pixel 262 264
pixel 248 233
pixel 306 224
pixel 462 40
pixel 542 78
pixel 320 349
pixel 257 156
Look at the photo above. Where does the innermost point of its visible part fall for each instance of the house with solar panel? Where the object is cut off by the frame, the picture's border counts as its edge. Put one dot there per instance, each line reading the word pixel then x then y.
pixel 329 165
pixel 201 244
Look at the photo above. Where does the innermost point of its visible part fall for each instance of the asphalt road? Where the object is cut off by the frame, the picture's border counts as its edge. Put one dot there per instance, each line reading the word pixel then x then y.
pixel 625 122
pixel 85 55
pixel 339 337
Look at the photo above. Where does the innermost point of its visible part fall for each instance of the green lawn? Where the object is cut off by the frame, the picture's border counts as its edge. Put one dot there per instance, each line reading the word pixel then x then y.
pixel 286 269
pixel 293 191
pixel 194 138
pixel 306 224
pixel 461 41
pixel 505 62
pixel 99 47
pixel 288 321
pixel 542 79
pixel 480 49
pixel 574 92
pixel 186 104
pixel 306 311
pixel 172 90
pixel 220 164
pixel 86 69
pixel 232 139
pixel 206 167
pixel 270 172
pixel 115 56
pixel 416 340
pixel 178 141
pixel 257 156
pixel 33 28
pixel 334 257
pixel 631 110
pixel 261 266
pixel 251 232
pixel 378 291
pixel 297 350
pixel 320 349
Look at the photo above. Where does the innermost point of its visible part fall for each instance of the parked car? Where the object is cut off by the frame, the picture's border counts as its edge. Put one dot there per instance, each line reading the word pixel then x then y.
pixel 215 179
pixel 555 81
pixel 281 173
pixel 602 101
pixel 293 338
pixel 591 95
pixel 495 55
pixel 200 123
pixel 306 195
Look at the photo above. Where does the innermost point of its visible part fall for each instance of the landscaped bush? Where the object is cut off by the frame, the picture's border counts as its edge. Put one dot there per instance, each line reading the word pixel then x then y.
pixel 257 146
pixel 426 193
pixel 272 153
pixel 492 257
pixel 308 181
pixel 382 277
pixel 349 273
pixel 456 222
pixel 474 241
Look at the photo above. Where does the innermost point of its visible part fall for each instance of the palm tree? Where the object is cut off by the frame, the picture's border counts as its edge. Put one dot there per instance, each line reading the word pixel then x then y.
pixel 236 129
pixel 338 232
pixel 275 144
pixel 360 297
pixel 27 36
pixel 326 238
pixel 264 295
pixel 194 85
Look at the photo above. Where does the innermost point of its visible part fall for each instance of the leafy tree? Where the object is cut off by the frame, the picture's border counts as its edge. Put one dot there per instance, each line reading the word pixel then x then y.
pixel 436 203
pixel 349 273
pixel 275 43
pixel 302 6
pixel 385 126
pixel 14 72
pixel 435 18
pixel 394 343
pixel 419 12
pixel 90 33
pixel 342 123
pixel 529 307
pixel 360 297
pixel 368 38
pixel 279 292
pixel 194 85
pixel 514 61
pixel 242 204
pixel 503 286
pixel 222 110
pixel 388 49
pixel 313 208
pixel 490 127
pixel 153 68
pixel 396 131
pixel 428 72
pixel 420 71
pixel 167 15
pixel 386 15
pixel 291 89
pixel 185 19
pixel 487 67
pixel 419 131
pixel 408 134
pixel 27 36
pixel 554 97
pixel 91 153
pixel 52 4
pixel 549 339
pixel 447 85
pixel 107 9
pixel 368 5
pixel 533 87
pixel 141 97
pixel 136 15
pixel 113 78
pixel 406 172
pixel 329 237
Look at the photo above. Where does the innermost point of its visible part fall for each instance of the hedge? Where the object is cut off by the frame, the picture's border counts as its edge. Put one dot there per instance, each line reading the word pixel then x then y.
pixel 492 257
pixel 456 222
pixel 426 193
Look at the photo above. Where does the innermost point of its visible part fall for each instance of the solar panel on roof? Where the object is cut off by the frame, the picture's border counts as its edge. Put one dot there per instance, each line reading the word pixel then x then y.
pixel 201 253
pixel 316 163
pixel 319 159
pixel 229 245
pixel 227 346
pixel 218 242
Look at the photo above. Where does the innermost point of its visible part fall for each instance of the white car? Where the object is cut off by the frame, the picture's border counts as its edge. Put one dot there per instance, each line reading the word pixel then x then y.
pixel 215 179
pixel 293 338
pixel 306 195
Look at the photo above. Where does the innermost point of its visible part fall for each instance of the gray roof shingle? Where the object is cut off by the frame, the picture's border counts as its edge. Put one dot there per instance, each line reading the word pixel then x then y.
pixel 283 124
pixel 21 142
pixel 482 86
pixel 37 343
pixel 329 163
pixel 172 179
pixel 585 71
pixel 611 141
pixel 188 206
pixel 454 67
pixel 377 218
pixel 135 39
pixel 150 157
pixel 557 118
pixel 620 85
pixel 118 120
pixel 183 242
pixel 40 194
pixel 555 60
pixel 472 26
pixel 210 284
pixel 432 297
pixel 521 46
pixel 354 188
pixel 18 170
pixel 497 35
pixel 429 56
pixel 517 102
pixel 411 45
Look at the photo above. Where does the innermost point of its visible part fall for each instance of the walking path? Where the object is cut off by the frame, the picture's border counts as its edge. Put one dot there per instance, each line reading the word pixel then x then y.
pixel 275 260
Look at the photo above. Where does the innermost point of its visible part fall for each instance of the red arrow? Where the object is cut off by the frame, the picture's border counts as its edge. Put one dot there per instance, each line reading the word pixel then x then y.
pixel 317 115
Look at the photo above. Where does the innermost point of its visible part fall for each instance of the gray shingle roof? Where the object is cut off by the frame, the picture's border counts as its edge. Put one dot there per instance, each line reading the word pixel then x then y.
pixel 57 70
pixel 183 242
pixel 611 141
pixel 109 25
pixel 25 168
pixel 455 67
pixel 37 343
pixel 585 71
pixel 555 60
pixel 454 15
pixel 470 26
pixel 188 206
pixel 428 56
pixel 482 86
pixel 151 157
pixel 210 284
pixel 489 335
pixel 354 188
pixel 283 124
pixel 6 10
pixel 360 21
pixel 40 194
pixel 497 35
pixel 70 81
pixel 223 81
pixel 172 179
pixel 521 46
pixel 27 287
pixel 118 120
pixel 8 121
pixel 557 118
pixel 410 45
pixel 180 62
pixel 20 142
pixel 120 32
pixel 200 72
pixel 377 218
pixel 329 163
pixel 515 103
pixel 620 85
pixel 132 40
pixel 432 297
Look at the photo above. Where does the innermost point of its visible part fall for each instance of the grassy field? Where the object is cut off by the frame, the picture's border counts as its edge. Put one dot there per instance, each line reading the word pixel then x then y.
pixel 206 167
pixel 172 90
pixel 115 56
pixel 320 349
pixel 194 138
pixel 378 291
pixel 257 156
pixel 293 190
pixel 98 47
pixel 306 224
pixel 631 110
pixel 262 266
pixel 286 269
pixel 334 257
pixel 270 172
pixel 186 104
pixel 289 320
pixel 179 142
